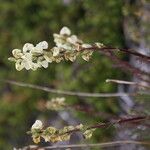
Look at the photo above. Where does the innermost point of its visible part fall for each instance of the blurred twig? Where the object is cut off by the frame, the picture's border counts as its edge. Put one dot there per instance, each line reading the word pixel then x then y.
pixel 101 145
pixel 124 65
pixel 69 93
pixel 128 83
pixel 130 120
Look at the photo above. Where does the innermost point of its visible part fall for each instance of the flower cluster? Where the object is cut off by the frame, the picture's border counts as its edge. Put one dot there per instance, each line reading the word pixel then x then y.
pixel 30 57
pixel 56 103
pixel 51 134
pixel 68 47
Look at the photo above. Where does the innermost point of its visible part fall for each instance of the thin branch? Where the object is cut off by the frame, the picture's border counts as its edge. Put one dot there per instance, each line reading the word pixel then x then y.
pixel 109 52
pixel 100 145
pixel 127 82
pixel 68 93
pixel 132 52
pixel 120 121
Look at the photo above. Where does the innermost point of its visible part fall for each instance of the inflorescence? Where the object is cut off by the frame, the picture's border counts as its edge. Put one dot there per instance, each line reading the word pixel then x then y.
pixel 67 47
pixel 52 134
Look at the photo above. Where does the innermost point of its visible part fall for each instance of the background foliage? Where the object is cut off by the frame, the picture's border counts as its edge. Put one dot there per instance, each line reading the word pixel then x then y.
pixel 33 21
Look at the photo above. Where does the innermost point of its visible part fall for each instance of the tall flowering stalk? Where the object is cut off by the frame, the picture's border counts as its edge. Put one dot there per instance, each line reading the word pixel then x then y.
pixel 67 48
pixel 52 134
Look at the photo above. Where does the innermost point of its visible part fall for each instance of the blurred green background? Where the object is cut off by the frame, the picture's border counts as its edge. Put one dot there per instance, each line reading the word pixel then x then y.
pixel 23 21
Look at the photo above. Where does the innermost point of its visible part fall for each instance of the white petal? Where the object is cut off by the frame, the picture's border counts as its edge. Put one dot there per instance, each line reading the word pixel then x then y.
pixel 19 65
pixel 65 31
pixel 44 64
pixel 27 65
pixel 45 45
pixel 72 58
pixel 37 125
pixel 64 46
pixel 27 57
pixel 86 57
pixel 48 59
pixel 28 47
pixel 86 46
pixel 73 39
pixel 17 53
pixel 12 59
pixel 34 66
pixel 55 51
pixel 42 45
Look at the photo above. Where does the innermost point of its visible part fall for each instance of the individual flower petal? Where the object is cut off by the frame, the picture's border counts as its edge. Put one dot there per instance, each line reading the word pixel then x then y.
pixel 88 133
pixel 86 57
pixel 42 45
pixel 51 130
pixel 44 64
pixel 17 53
pixel 80 126
pixel 37 125
pixel 19 66
pixel 48 58
pixel 59 59
pixel 65 31
pixel 27 61
pixel 28 47
pixel 72 58
pixel 34 66
pixel 12 59
pixel 36 139
pixel 72 39
pixel 26 65
pixel 56 51
pixel 86 45
pixel 99 45
pixel 27 57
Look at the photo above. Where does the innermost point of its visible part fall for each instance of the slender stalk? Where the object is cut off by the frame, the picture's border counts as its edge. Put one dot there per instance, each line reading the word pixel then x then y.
pixel 69 93
pixel 100 145
pixel 127 82
pixel 128 51
pixel 123 65
pixel 120 121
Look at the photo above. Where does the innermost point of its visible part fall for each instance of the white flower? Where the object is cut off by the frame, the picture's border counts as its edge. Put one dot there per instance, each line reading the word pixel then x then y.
pixel 59 39
pixel 56 51
pixel 43 63
pixel 27 61
pixel 65 46
pixel 34 66
pixel 73 39
pixel 40 46
pixel 65 31
pixel 28 47
pixel 37 125
pixel 43 45
pixel 48 58
pixel 17 53
pixel 19 65
pixel 99 45
pixel 58 60
pixel 59 100
pixel 86 45
pixel 70 56
pixel 86 55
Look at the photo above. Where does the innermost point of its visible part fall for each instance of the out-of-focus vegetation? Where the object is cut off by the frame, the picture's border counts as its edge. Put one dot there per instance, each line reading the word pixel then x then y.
pixel 32 21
